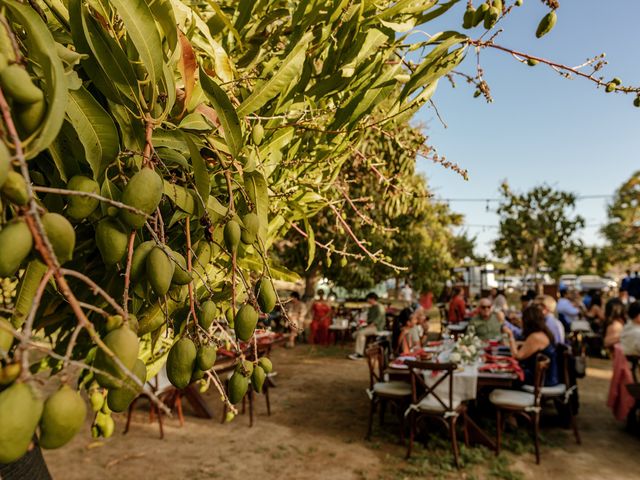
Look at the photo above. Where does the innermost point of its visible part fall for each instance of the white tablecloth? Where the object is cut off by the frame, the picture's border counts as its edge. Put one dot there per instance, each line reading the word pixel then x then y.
pixel 465 383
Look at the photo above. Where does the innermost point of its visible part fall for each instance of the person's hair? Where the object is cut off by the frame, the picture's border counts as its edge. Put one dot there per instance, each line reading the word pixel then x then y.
pixel 614 311
pixel 596 299
pixel 456 291
pixel 295 295
pixel 634 310
pixel 399 322
pixel 533 321
pixel 623 289
pixel 372 295
pixel 548 302
pixel 563 292
pixel 321 293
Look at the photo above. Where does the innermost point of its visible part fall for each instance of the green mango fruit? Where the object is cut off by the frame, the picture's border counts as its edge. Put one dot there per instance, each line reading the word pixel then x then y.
pixel 532 62
pixel 228 314
pixel 105 424
pixel 112 241
pixel 546 24
pixel 14 188
pixel 144 192
pixel 119 399
pixel 159 271
pixel 266 295
pixel 9 373
pixel 139 259
pixel 16 241
pixel 237 388
pixel 610 87
pixel 123 342
pixel 245 322
pixel 616 80
pixel 132 321
pixel 636 101
pixel 203 254
pixel 266 364
pixel 62 417
pixel 207 314
pixel 206 357
pixel 232 235
pixel 5 163
pixel 80 207
pixel 96 399
pixel 498 4
pixel 180 362
pixel 114 322
pixel 61 235
pixel 245 367
pixel 519 3
pixel 257 134
pixel 20 410
pixel 17 84
pixel 30 116
pixel 249 231
pixel 478 16
pixel 257 378
pixel 196 375
pixel 6 337
pixel 467 18
pixel 181 275
pixel 491 17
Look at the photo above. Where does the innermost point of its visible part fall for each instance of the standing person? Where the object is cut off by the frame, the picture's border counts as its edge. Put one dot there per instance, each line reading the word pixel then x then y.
pixel 537 339
pixel 457 306
pixel 321 312
pixel 615 319
pixel 595 312
pixel 499 300
pixel 630 335
pixel 624 284
pixel 634 286
pixel 406 293
pixel 296 311
pixel 625 298
pixel 375 323
pixel 420 326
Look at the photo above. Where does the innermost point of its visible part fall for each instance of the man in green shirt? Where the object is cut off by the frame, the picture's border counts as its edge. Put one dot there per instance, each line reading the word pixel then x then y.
pixel 487 323
pixel 376 322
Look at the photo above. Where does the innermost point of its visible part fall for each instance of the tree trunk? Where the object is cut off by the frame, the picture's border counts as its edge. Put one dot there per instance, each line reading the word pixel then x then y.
pixel 310 280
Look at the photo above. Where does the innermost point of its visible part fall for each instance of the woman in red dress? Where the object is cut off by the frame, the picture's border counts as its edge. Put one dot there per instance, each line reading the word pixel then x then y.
pixel 321 321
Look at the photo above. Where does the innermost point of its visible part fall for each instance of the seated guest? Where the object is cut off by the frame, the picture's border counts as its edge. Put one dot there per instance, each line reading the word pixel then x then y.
pixel 595 312
pixel 322 313
pixel 398 323
pixel 567 309
pixel 457 306
pixel 406 340
pixel 499 300
pixel 375 323
pixel 548 305
pixel 487 323
pixel 420 326
pixel 615 318
pixel 630 335
pixel 537 339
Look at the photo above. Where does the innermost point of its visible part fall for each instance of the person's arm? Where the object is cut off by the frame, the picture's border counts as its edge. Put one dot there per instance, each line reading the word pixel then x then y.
pixel 531 345
pixel 612 335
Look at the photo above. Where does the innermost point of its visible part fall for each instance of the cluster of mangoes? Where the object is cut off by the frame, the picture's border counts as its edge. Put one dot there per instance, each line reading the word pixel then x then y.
pixel 28 104
pixel 489 12
pixel 23 410
pixel 248 373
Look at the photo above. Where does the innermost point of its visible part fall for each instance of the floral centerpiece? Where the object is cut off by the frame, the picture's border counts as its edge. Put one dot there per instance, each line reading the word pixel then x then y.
pixel 467 348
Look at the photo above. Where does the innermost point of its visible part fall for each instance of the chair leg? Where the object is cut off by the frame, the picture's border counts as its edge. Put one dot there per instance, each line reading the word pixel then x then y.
pixel 266 396
pixel 454 441
pixel 465 427
pixel 159 421
pixel 372 411
pixel 536 435
pixel 498 430
pixel 412 432
pixel 383 407
pixel 131 407
pixel 250 407
pixel 574 425
pixel 179 408
pixel 400 408
pixel 224 413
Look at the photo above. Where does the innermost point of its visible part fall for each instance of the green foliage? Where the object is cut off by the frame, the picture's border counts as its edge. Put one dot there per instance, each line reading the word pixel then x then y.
pixel 537 226
pixel 623 224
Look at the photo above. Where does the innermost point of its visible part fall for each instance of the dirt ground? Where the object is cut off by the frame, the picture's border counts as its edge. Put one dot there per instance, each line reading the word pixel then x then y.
pixel 316 430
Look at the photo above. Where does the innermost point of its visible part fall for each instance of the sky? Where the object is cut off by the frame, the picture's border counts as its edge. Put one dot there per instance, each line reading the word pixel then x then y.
pixel 540 128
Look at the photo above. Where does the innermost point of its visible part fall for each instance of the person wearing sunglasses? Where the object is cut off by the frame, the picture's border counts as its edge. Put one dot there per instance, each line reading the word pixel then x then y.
pixel 488 325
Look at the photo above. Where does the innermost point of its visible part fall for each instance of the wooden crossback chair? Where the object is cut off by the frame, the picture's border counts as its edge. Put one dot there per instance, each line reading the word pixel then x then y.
pixel 526 404
pixel 427 403
pixel 380 393
pixel 634 391
pixel 563 393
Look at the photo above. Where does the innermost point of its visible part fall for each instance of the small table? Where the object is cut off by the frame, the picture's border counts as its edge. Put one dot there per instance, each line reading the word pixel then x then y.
pixel 342 331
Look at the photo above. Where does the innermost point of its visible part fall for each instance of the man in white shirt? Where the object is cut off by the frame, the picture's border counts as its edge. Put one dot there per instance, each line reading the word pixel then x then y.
pixel 630 336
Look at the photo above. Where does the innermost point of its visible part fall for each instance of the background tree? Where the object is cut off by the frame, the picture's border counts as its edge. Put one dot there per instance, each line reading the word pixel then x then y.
pixel 622 230
pixel 537 228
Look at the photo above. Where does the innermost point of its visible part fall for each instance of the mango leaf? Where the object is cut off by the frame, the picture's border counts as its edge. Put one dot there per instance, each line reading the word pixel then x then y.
pixel 194 121
pixel 291 67
pixel 95 129
pixel 187 66
pixel 111 191
pixel 43 52
pixel 225 20
pixel 278 272
pixel 65 151
pixel 311 242
pixel 162 11
pixel 226 113
pixel 200 172
pixel 180 196
pixel 141 28
pixel 256 187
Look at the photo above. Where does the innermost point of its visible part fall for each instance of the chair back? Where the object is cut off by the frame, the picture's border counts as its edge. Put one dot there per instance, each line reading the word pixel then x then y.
pixel 419 388
pixel 542 364
pixel 375 360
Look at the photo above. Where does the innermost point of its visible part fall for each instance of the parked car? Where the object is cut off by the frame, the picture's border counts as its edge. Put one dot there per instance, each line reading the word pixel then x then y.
pixel 584 283
pixel 568 280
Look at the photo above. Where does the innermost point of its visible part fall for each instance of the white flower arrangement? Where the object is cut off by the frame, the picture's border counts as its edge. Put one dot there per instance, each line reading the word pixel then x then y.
pixel 467 349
